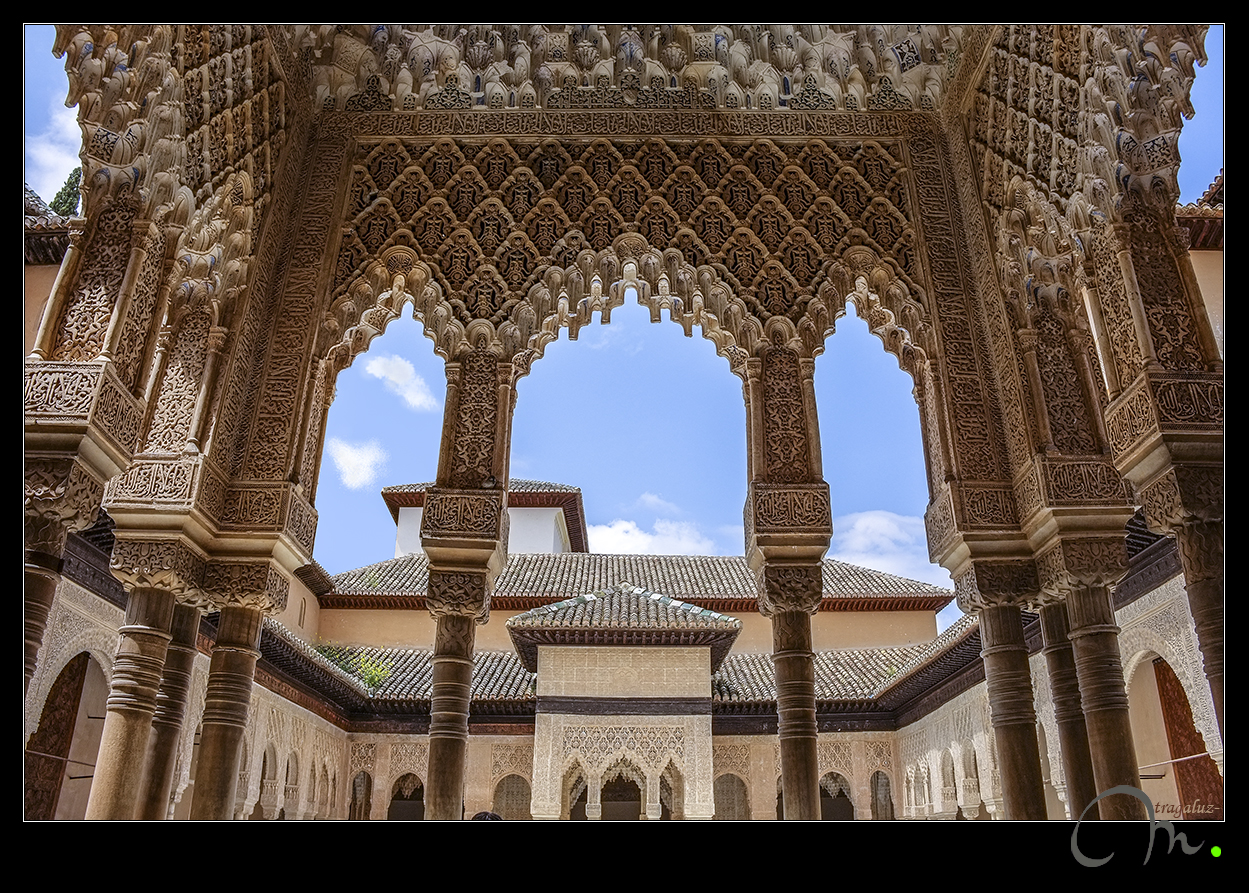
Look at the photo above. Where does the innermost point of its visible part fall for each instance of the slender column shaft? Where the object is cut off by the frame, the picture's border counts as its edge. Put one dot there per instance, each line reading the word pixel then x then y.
pixel 795 708
pixel 1095 641
pixel 1201 552
pixel 230 676
pixel 171 701
pixel 1010 703
pixel 448 716
pixel 144 638
pixel 41 577
pixel 1073 737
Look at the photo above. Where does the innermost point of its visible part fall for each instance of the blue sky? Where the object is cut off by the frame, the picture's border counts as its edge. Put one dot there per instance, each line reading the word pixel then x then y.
pixel 650 424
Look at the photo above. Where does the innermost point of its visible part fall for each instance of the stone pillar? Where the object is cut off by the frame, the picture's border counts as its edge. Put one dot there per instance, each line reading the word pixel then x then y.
pixel 652 808
pixel 171 701
pixel 144 638
pixel 1009 683
pixel 464 533
pixel 226 703
pixel 42 574
pixel 789 596
pixel 1073 739
pixel 1201 552
pixel 788 525
pixel 448 715
pixel 594 799
pixel 61 496
pixel 1095 641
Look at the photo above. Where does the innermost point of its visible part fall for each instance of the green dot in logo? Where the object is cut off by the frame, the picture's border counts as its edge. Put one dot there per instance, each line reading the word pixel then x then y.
pixel 1216 851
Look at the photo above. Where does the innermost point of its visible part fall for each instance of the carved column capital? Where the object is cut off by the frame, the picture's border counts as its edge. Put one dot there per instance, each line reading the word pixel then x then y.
pixel 1184 494
pixel 1079 339
pixel 997 583
pixel 61 496
pixel 458 594
pixel 246 584
pixel 168 565
pixel 785 589
pixel 1082 561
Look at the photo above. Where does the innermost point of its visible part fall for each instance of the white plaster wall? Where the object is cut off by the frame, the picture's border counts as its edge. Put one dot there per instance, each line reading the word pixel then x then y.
pixel 530 530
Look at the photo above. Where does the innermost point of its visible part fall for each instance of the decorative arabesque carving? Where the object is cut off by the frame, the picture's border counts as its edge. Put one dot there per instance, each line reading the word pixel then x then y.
pixel 61 496
pixel 773 67
pixel 472 463
pixel 787 457
pixel 786 590
pixel 208 281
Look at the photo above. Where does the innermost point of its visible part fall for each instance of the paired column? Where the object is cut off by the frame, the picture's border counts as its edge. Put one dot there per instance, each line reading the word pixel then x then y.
pixel 1009 683
pixel 226 703
pixel 1201 552
pixel 42 574
pixel 144 638
pixel 171 703
pixel 1073 739
pixel 61 496
pixel 1095 642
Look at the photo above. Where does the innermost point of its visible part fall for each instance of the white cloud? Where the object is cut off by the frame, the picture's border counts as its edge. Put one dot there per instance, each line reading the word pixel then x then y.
pixel 400 377
pixel 53 153
pixel 658 504
pixel 896 544
pixel 666 538
pixel 357 463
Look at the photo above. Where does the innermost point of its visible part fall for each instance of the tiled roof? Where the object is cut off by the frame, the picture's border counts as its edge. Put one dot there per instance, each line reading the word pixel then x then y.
pixel 516 485
pixel 722 580
pixel 409 674
pixel 856 674
pixel 623 615
pixel 623 607
pixel 864 675
pixel 46 232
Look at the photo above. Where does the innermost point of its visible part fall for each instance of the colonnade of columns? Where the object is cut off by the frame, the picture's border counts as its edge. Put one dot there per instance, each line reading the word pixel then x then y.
pixel 149 696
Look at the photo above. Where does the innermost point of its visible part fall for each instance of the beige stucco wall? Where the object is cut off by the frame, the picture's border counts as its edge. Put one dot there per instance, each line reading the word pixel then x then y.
pixel 403 629
pixel 621 672
pixel 38 285
pixel 1208 266
pixel 844 629
pixel 1149 734
pixel 301 603
pixel 415 629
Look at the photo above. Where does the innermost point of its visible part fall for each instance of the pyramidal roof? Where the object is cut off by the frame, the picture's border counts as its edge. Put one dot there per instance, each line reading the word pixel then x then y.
pixel 623 615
